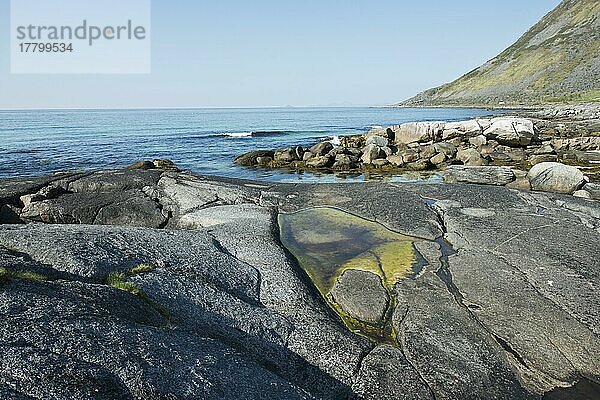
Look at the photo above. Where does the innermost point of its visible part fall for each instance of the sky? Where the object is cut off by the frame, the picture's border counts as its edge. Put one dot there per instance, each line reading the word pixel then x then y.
pixel 273 53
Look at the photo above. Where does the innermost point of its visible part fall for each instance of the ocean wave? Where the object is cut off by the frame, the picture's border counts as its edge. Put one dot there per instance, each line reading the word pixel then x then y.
pixel 253 134
pixel 237 134
pixel 269 133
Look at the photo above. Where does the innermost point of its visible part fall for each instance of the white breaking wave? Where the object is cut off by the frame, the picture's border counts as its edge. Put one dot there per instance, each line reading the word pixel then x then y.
pixel 238 134
pixel 336 141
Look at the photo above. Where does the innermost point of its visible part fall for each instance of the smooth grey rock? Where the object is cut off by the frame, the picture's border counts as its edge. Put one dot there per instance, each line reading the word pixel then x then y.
pixel 361 295
pixel 480 175
pixel 511 131
pixel 386 374
pixel 220 215
pixel 214 303
pixel 180 194
pixel 453 353
pixel 229 309
pixel 562 347
pixel 250 233
pixel 556 178
pixel 534 244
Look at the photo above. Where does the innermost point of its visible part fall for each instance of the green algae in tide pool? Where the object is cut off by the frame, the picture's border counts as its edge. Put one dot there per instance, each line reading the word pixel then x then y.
pixel 328 241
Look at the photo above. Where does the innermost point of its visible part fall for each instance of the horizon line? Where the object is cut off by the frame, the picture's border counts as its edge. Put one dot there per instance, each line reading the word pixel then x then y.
pixel 181 108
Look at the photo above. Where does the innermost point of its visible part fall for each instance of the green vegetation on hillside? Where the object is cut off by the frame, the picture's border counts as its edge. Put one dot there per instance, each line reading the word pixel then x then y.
pixel 556 61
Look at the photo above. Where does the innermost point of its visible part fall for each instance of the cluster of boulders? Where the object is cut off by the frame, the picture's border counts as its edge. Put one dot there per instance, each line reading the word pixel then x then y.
pixel 510 142
pixel 123 197
pixel 420 146
pixel 415 146
pixel 544 177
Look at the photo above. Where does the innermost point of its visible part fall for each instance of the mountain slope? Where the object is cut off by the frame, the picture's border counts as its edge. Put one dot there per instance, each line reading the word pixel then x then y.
pixel 558 60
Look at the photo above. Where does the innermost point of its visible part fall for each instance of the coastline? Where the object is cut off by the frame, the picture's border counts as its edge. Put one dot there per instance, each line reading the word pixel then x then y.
pixel 521 140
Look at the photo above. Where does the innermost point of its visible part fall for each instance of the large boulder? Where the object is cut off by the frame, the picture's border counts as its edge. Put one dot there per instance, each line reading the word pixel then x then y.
pixel 361 295
pixel 418 132
pixel 345 161
pixel 556 178
pixel 464 128
pixel 371 153
pixel 320 162
pixel 286 155
pixel 387 133
pixel 514 132
pixel 321 149
pixel 499 176
pixel 250 159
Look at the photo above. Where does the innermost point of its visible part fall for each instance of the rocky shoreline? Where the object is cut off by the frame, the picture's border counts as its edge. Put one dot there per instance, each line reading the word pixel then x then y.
pixel 151 283
pixel 570 136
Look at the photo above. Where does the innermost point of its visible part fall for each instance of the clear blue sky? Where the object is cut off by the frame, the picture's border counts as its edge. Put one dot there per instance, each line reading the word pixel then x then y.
pixel 244 53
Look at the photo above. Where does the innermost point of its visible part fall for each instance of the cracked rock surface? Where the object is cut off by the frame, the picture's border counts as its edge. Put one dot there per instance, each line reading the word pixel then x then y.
pixel 151 284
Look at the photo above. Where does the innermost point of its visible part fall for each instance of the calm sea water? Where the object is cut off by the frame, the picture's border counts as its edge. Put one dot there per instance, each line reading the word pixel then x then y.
pixel 202 140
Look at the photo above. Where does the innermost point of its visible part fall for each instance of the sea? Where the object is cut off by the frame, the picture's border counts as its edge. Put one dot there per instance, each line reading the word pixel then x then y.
pixel 204 141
